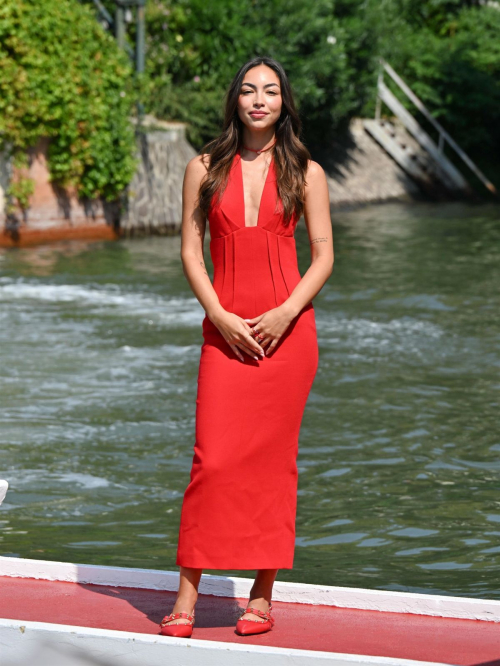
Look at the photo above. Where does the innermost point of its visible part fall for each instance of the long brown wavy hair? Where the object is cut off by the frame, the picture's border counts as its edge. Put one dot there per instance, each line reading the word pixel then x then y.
pixel 290 154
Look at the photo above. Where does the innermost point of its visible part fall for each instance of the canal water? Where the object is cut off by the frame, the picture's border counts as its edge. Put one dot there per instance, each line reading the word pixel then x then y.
pixel 399 455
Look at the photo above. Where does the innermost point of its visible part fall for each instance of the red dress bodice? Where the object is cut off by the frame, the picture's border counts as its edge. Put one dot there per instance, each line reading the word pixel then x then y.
pixel 255 268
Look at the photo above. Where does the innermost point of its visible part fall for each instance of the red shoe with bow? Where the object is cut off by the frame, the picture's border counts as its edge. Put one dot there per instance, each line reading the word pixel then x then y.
pixel 181 629
pixel 247 627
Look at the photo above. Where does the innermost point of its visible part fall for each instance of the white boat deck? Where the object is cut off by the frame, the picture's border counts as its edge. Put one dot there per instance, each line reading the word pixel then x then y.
pixel 79 614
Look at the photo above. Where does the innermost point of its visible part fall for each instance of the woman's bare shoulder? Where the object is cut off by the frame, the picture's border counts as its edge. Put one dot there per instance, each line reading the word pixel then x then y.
pixel 316 186
pixel 197 166
pixel 315 171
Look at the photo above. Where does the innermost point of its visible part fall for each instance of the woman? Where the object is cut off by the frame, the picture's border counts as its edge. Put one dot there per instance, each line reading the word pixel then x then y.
pixel 260 351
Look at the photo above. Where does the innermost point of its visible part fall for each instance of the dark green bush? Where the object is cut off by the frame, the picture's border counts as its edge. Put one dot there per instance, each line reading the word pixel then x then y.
pixel 196 47
pixel 448 51
pixel 62 75
pixel 453 64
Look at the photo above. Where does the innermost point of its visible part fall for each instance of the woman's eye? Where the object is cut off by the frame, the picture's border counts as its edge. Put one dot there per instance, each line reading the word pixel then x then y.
pixel 270 92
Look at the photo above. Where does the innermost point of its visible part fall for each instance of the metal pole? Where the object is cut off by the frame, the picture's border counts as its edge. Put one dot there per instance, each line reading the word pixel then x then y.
pixel 120 26
pixel 378 104
pixel 140 40
pixel 378 101
pixel 104 13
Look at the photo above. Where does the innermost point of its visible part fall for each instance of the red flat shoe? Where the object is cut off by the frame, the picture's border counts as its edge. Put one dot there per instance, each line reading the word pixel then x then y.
pixel 180 630
pixel 247 627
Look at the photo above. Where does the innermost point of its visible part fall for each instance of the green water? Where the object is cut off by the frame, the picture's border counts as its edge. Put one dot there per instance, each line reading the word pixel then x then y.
pixel 399 450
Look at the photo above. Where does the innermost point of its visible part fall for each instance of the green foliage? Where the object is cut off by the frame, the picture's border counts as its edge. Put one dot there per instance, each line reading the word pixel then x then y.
pixel 456 73
pixel 448 51
pixel 63 77
pixel 21 187
pixel 195 48
pixel 77 88
pixel 435 15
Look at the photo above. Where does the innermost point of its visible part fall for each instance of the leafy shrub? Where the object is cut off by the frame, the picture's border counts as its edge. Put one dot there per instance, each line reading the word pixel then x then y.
pixel 454 67
pixel 447 50
pixel 196 47
pixel 63 77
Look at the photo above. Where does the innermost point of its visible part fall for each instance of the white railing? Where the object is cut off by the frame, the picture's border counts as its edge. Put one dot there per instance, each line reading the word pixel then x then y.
pixel 384 95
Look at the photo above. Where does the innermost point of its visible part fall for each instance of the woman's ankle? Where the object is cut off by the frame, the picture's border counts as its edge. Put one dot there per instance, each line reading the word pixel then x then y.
pixel 259 595
pixel 263 583
pixel 186 601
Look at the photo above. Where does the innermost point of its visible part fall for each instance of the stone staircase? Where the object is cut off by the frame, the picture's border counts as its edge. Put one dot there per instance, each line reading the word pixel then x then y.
pixel 405 140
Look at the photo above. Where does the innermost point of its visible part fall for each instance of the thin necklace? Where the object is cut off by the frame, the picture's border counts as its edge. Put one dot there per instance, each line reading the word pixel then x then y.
pixel 259 151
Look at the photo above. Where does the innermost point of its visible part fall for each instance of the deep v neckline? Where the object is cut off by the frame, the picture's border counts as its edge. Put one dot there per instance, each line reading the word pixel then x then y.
pixel 242 184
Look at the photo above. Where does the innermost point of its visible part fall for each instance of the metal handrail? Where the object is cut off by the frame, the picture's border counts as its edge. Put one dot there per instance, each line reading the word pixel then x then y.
pixel 104 13
pixel 115 26
pixel 443 134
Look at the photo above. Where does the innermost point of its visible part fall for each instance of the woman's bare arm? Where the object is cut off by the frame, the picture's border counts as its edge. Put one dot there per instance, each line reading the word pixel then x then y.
pixel 193 235
pixel 319 227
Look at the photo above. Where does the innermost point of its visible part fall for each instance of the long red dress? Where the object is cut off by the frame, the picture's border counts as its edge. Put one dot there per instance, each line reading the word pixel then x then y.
pixel 239 508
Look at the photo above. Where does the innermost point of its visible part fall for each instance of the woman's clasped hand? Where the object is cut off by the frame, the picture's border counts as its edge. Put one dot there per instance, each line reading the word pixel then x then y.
pixel 252 336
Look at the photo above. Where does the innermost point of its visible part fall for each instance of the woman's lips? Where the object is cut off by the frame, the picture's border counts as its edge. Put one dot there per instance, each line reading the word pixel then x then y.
pixel 257 114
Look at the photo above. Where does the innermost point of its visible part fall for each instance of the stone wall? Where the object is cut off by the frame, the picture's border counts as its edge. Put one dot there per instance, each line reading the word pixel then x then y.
pixel 54 213
pixel 359 171
pixel 154 199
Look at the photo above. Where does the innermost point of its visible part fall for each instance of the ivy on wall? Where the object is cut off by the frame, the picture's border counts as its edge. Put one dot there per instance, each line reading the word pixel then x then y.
pixel 63 77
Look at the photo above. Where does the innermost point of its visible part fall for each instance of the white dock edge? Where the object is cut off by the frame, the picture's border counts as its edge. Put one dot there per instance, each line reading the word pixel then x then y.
pixel 226 586
pixel 28 643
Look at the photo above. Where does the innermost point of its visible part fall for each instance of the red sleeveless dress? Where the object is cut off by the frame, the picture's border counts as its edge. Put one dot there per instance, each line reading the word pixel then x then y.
pixel 239 508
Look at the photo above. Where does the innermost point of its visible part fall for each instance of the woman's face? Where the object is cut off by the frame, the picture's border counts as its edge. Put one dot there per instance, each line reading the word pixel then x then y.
pixel 259 103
